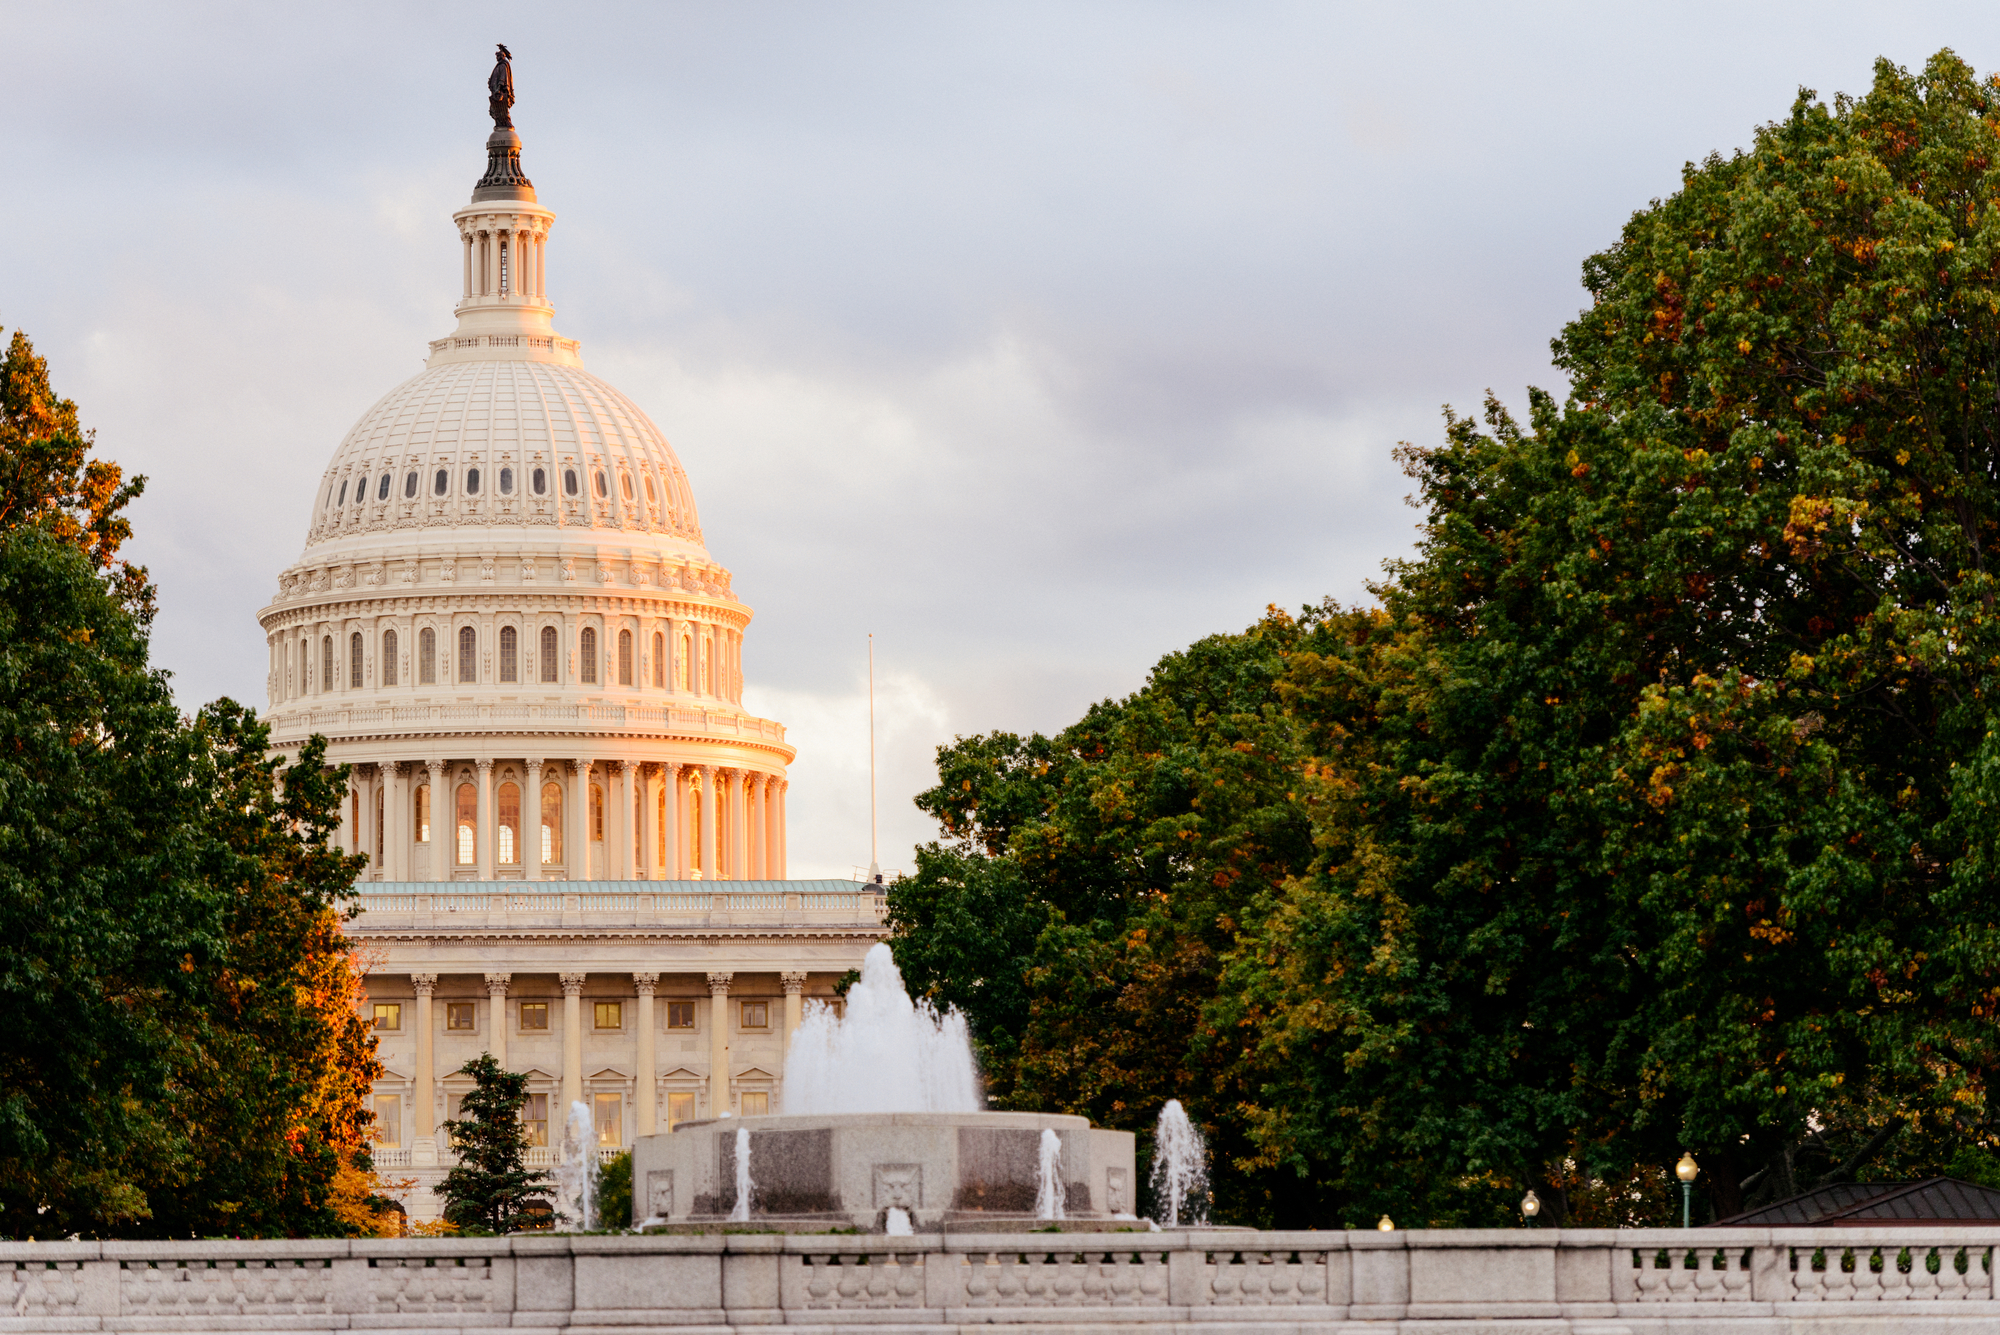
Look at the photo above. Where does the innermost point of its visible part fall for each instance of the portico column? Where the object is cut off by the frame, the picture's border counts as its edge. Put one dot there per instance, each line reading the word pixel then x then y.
pixel 485 828
pixel 531 823
pixel 648 1078
pixel 705 823
pixel 579 821
pixel 496 996
pixel 572 986
pixel 783 786
pixel 675 862
pixel 440 865
pixel 649 828
pixel 424 1149
pixel 718 1043
pixel 739 828
pixel 620 828
pixel 794 981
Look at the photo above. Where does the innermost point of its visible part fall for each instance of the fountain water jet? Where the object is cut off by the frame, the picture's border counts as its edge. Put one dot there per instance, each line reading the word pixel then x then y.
pixel 888 1054
pixel 741 1213
pixel 1048 1177
pixel 1180 1167
pixel 575 1182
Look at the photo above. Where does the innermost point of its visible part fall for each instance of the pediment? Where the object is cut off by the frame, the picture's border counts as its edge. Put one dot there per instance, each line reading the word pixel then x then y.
pixel 609 1073
pixel 755 1073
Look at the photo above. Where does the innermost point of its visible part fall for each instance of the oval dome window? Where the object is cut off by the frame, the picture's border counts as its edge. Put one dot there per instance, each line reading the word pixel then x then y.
pixel 472 481
pixel 569 481
pixel 343 495
pixel 439 483
pixel 625 484
pixel 539 481
pixel 506 482
pixel 382 488
pixel 602 490
pixel 410 485
pixel 650 499
pixel 361 491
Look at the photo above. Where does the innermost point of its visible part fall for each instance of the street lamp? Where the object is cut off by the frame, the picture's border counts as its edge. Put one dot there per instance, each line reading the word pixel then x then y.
pixel 1386 1224
pixel 1686 1170
pixel 1531 1205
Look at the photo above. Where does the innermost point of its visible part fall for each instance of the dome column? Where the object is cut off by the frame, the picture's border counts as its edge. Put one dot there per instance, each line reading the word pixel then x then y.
pixel 620 828
pixel 674 866
pixel 739 827
pixel 440 865
pixel 578 853
pixel 705 820
pixel 783 785
pixel 649 828
pixel 531 822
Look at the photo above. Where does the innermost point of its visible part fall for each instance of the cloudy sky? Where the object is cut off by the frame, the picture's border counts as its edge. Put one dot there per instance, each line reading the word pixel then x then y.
pixel 1037 339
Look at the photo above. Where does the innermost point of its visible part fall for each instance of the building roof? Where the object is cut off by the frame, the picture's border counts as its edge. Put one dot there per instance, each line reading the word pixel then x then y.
pixel 1930 1200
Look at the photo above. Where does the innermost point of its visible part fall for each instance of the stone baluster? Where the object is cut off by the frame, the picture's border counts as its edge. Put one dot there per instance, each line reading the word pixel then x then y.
pixel 647 1094
pixel 718 1043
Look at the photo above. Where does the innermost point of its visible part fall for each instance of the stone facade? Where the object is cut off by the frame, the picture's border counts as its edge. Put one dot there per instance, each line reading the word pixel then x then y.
pixel 1912 1280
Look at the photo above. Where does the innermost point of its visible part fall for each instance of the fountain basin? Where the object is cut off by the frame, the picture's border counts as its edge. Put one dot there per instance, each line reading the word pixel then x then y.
pixel 950 1171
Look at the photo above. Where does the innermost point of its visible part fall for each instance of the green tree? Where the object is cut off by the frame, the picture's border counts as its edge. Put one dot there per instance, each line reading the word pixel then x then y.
pixel 614 1191
pixel 489 1188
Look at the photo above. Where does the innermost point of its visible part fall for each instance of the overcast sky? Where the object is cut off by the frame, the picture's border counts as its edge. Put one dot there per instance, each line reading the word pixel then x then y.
pixel 1038 339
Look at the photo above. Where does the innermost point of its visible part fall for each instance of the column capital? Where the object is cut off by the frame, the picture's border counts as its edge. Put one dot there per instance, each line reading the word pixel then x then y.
pixel 582 767
pixel 794 981
pixel 485 766
pixel 534 764
pixel 644 983
pixel 627 766
pixel 394 767
pixel 718 983
pixel 425 983
pixel 496 983
pixel 572 983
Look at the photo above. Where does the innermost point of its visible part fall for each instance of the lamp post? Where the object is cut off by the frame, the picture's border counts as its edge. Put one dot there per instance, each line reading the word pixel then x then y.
pixel 1531 1205
pixel 1386 1224
pixel 1686 1170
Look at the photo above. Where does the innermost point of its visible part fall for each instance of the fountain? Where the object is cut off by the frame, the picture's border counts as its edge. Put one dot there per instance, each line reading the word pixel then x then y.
pixel 1180 1168
pixel 575 1182
pixel 883 1129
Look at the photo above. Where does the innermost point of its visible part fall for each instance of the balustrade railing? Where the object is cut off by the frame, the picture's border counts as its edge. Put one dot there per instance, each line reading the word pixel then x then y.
pixel 390 905
pixel 340 720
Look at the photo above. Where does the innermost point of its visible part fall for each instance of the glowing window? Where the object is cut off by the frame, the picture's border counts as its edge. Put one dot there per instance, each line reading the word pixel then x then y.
pixel 552 809
pixel 535 1108
pixel 587 653
pixel 510 824
pixel 650 498
pixel 468 653
pixel 680 1108
pixel 388 658
pixel 389 1120
pixel 606 1107
pixel 535 1015
pixel 424 814
pixel 680 1015
pixel 510 654
pixel 756 1103
pixel 598 478
pixel 596 814
pixel 460 1015
pixel 427 657
pixel 610 1015
pixel 468 824
pixel 548 653
pixel 388 1015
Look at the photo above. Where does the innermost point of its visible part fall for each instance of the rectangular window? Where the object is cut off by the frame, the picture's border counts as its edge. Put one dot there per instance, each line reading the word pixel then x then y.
pixel 756 1103
pixel 388 1120
pixel 680 1108
pixel 460 1015
pixel 756 1015
pixel 680 1015
pixel 607 1107
pixel 388 1015
pixel 535 1015
pixel 535 1116
pixel 610 1015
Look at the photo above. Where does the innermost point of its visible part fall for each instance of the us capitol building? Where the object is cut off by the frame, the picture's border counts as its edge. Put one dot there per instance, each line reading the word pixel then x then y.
pixel 507 621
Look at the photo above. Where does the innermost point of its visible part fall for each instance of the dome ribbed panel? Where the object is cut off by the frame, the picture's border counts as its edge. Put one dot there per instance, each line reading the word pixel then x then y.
pixel 490 414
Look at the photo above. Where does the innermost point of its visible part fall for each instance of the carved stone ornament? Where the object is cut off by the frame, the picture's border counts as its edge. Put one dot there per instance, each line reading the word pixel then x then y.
pixel 1117 1192
pixel 899 1186
pixel 660 1193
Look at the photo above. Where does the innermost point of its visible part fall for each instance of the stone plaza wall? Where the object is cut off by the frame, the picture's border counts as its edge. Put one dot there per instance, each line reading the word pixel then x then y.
pixel 1908 1279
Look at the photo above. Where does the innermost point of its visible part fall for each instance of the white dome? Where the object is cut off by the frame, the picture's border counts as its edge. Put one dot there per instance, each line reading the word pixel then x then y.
pixel 503 445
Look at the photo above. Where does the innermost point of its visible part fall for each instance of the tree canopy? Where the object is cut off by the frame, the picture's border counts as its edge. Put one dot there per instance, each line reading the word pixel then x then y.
pixel 1652 808
pixel 185 1054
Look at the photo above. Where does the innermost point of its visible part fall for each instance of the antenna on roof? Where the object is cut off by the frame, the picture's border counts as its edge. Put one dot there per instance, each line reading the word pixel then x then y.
pixel 874 861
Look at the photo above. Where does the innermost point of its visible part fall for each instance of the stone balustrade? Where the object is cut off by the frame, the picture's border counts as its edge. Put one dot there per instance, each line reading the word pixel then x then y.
pixel 1905 1279
pixel 389 905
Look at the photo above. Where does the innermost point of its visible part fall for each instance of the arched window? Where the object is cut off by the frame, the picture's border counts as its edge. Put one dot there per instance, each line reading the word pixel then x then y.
pixel 552 824
pixel 549 654
pixel 510 825
pixel 659 660
pixel 326 677
pixel 410 485
pixel 510 669
pixel 361 491
pixel 625 484
pixel 602 489
pixel 388 658
pixel 472 481
pixel 681 663
pixel 539 480
pixel 586 652
pixel 569 481
pixel 596 814
pixel 382 488
pixel 506 482
pixel 427 657
pixel 354 661
pixel 468 652
pixel 343 493
pixel 650 498
pixel 423 813
pixel 467 825
pixel 440 482
pixel 624 658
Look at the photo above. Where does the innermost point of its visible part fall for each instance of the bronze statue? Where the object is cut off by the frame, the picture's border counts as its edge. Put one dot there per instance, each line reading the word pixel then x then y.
pixel 500 89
